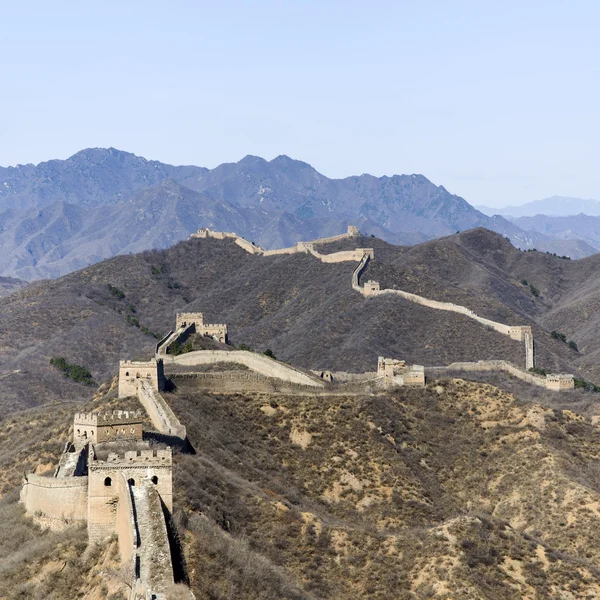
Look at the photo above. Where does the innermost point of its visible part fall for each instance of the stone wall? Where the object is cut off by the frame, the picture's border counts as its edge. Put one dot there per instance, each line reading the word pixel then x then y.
pixel 257 362
pixel 160 413
pixel 362 265
pixel 521 333
pixel 126 528
pixel 104 494
pixel 343 256
pixel 55 503
pixel 248 246
pixel 227 382
pixel 155 567
pixel 490 365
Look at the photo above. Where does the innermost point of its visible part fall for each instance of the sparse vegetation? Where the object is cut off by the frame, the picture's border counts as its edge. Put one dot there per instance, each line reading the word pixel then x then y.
pixel 557 335
pixel 77 373
pixel 176 348
pixel 116 292
pixel 268 352
pixel 132 320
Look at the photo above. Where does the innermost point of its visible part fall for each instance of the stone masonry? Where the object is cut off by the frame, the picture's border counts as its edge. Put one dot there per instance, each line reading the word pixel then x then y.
pixel 217 331
pixel 133 371
pixel 103 427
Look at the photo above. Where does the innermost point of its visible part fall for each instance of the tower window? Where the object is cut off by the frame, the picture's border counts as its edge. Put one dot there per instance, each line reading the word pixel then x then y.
pixel 108 482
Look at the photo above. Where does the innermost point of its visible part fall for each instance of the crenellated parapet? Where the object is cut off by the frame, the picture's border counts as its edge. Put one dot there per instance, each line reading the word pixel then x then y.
pixel 560 381
pixel 195 322
pixel 107 426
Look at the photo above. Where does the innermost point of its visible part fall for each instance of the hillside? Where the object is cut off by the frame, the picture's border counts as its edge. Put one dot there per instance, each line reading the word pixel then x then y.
pixel 305 311
pixel 454 491
pixel 8 285
pixel 59 216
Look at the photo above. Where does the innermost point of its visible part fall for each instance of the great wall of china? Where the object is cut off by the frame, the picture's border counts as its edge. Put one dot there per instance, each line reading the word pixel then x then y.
pixel 129 492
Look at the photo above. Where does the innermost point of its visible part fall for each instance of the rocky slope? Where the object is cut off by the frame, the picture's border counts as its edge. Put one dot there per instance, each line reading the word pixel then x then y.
pixel 459 491
pixel 302 309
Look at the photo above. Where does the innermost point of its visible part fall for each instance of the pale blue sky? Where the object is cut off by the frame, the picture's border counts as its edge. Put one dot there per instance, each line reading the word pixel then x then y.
pixel 497 101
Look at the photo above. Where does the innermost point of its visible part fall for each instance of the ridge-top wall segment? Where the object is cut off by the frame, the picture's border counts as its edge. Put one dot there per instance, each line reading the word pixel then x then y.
pixel 256 362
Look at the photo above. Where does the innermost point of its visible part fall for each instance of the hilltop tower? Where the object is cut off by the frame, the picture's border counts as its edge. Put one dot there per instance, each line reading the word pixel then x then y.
pixel 133 372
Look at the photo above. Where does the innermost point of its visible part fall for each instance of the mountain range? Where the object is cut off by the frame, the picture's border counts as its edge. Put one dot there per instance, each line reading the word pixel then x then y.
pixel 62 215
pixel 555 206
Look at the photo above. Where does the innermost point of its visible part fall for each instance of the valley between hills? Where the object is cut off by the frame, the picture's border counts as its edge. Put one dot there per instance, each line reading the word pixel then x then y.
pixel 472 487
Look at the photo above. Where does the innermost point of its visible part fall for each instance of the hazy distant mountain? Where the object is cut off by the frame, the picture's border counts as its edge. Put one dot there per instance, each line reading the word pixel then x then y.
pixel 580 227
pixel 561 206
pixel 90 177
pixel 62 215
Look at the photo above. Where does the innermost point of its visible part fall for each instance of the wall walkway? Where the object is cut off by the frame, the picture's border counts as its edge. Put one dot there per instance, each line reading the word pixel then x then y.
pixel 160 413
pixel 514 332
pixel 489 365
pixel 153 564
pixel 256 362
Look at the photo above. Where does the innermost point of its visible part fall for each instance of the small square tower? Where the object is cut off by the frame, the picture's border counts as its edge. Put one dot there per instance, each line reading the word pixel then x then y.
pixel 133 371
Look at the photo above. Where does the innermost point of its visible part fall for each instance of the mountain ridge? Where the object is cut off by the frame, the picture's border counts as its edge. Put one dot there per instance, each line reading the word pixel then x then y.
pixel 275 203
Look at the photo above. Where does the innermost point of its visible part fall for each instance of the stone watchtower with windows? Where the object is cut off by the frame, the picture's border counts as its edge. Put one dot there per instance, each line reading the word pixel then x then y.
pixel 195 322
pixel 109 426
pixel 107 473
pixel 132 372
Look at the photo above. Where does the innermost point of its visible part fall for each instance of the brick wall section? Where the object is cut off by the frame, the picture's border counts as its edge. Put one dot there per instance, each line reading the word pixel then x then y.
pixel 55 503
pixel 256 362
pixel 160 413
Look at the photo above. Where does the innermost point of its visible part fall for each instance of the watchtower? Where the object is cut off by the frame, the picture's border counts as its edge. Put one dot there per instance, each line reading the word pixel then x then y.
pixel 560 381
pixel 217 331
pixel 137 466
pixel 109 426
pixel 133 371
pixel 371 288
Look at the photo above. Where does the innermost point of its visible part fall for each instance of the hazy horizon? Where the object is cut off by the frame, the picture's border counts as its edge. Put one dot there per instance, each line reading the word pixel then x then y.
pixel 497 104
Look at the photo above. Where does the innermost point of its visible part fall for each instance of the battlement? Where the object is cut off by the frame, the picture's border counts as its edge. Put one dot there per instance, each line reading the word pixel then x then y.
pixel 107 426
pixel 519 332
pixel 370 252
pixel 187 319
pixel 107 418
pixel 560 381
pixel 138 363
pixel 132 458
pixel 218 331
pixel 371 288
pixel 206 232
